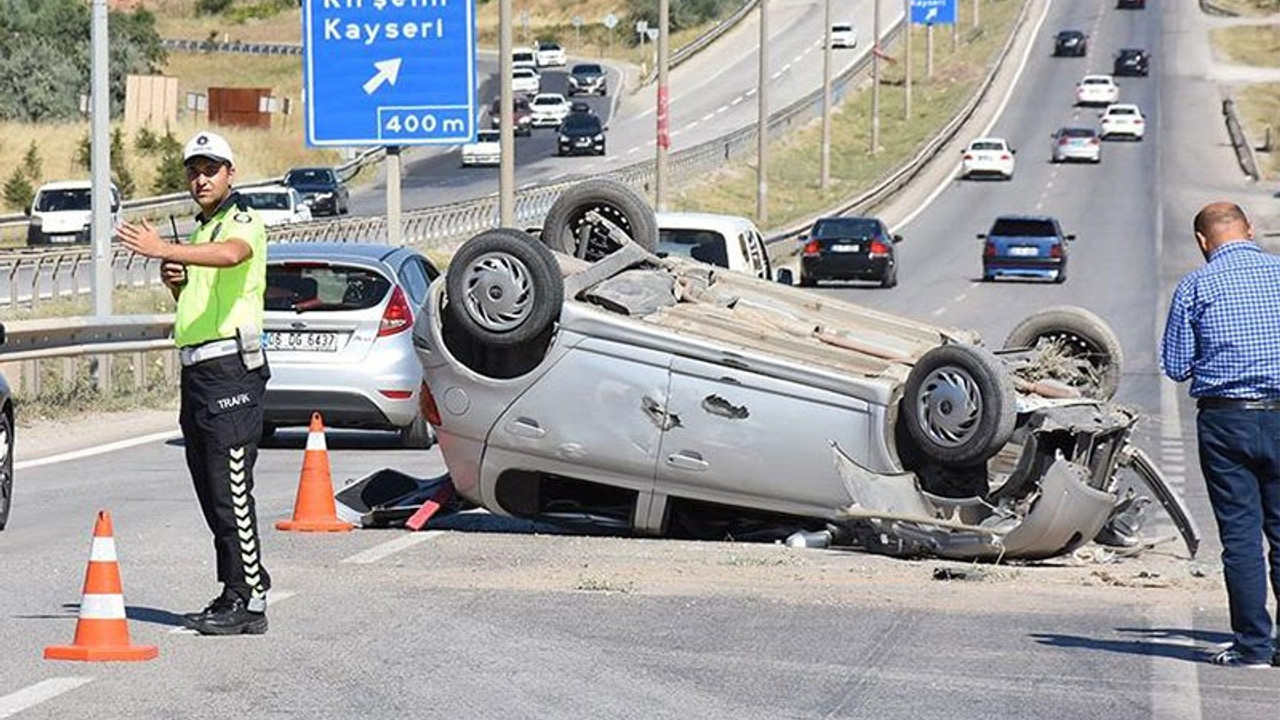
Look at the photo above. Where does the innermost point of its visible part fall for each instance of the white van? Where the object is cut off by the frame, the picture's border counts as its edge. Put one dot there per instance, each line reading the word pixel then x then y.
pixel 729 241
pixel 61 212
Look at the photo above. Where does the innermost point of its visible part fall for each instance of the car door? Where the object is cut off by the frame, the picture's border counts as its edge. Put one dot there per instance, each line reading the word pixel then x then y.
pixel 597 415
pixel 741 438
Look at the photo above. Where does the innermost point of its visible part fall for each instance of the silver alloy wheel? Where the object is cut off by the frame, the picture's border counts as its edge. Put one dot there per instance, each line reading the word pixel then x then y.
pixel 950 406
pixel 498 292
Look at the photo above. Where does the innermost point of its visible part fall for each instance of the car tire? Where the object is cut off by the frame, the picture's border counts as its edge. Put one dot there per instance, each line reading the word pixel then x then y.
pixel 1060 278
pixel 417 434
pixel 890 279
pixel 616 202
pixel 958 404
pixel 806 281
pixel 6 468
pixel 504 288
pixel 1076 335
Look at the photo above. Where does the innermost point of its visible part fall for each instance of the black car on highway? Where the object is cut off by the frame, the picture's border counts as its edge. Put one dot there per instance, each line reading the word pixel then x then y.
pixel 320 188
pixel 581 134
pixel 1070 43
pixel 849 248
pixel 1131 4
pixel 587 79
pixel 1132 61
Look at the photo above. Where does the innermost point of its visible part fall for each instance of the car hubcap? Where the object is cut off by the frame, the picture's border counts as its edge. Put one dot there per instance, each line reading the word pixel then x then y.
pixel 498 293
pixel 949 405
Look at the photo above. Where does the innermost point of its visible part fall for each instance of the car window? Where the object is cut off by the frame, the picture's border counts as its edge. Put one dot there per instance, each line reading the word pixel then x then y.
pixel 487 136
pixel 1077 132
pixel 266 200
pixel 1023 227
pixel 587 70
pixel 581 122
pixel 706 246
pixel 58 200
pixel 1121 111
pixel 844 228
pixel 310 176
pixel 415 281
pixel 295 286
pixel 987 146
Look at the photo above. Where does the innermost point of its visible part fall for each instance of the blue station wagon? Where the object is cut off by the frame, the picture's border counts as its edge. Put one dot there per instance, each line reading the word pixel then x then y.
pixel 1025 246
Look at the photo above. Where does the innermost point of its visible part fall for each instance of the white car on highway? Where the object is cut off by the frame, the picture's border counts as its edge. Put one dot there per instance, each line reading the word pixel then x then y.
pixel 549 109
pixel 524 57
pixel 277 204
pixel 844 35
pixel 1097 90
pixel 990 156
pixel 1122 119
pixel 525 80
pixel 550 54
pixel 484 150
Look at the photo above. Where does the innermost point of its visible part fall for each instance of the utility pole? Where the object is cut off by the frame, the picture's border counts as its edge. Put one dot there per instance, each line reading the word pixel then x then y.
pixel 928 51
pixel 826 99
pixel 975 12
pixel 506 121
pixel 906 86
pixel 762 122
pixel 100 162
pixel 394 229
pixel 875 79
pixel 664 136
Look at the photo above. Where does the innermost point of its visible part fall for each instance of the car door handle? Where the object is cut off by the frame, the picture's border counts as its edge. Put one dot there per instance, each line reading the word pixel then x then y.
pixel 526 427
pixel 688 460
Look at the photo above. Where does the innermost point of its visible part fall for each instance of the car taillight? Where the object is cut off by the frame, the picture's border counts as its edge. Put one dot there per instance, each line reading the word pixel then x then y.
pixel 427 406
pixel 989 250
pixel 1138 121
pixel 967 156
pixel 1006 156
pixel 1095 141
pixel 1055 251
pixel 398 317
pixel 878 249
pixel 1064 141
pixel 813 247
pixel 397 394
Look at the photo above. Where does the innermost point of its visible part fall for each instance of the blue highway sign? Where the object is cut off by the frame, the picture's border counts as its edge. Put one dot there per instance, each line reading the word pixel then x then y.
pixel 389 72
pixel 933 12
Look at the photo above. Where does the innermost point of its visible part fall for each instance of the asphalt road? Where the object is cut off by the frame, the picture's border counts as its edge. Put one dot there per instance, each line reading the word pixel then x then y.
pixel 494 621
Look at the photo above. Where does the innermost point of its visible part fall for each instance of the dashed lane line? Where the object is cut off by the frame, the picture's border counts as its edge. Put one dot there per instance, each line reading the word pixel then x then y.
pixel 90 452
pixel 378 552
pixel 33 695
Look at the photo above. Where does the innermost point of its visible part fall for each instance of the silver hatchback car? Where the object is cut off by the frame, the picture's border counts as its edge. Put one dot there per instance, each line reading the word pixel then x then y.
pixel 580 379
pixel 338 320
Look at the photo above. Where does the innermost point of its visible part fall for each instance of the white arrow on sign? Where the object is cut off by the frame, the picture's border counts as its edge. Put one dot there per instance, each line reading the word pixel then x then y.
pixel 388 71
pixel 933 13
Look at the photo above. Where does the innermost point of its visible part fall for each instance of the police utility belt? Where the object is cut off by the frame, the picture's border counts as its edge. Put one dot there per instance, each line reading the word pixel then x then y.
pixel 247 344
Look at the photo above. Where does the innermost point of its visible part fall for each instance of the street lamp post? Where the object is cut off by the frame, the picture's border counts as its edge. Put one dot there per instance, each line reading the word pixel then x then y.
pixel 506 120
pixel 762 122
pixel 875 79
pixel 664 137
pixel 826 99
pixel 906 86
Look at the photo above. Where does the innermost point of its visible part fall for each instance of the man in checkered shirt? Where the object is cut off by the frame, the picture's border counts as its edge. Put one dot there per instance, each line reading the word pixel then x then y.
pixel 1223 333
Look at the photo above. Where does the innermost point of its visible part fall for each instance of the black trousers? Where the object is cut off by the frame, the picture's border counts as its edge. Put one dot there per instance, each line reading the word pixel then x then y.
pixel 221 421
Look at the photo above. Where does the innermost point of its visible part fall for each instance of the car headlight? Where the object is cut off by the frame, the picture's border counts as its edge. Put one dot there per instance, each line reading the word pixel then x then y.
pixel 566 139
pixel 598 137
pixel 323 195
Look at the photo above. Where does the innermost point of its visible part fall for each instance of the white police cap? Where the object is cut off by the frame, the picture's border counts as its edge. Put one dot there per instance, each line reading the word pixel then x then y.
pixel 210 145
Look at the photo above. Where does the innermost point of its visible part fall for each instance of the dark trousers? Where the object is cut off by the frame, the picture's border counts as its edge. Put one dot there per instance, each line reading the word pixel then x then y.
pixel 1240 459
pixel 221 421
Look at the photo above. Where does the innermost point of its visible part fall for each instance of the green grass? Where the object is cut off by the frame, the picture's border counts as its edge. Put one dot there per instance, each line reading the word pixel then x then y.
pixel 794 190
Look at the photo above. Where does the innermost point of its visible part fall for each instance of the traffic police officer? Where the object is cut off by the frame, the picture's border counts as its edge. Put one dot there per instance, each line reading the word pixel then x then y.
pixel 218 280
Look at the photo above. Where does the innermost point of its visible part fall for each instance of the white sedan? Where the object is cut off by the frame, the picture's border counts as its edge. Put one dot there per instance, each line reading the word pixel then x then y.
pixel 1097 90
pixel 549 109
pixel 1122 119
pixel 525 80
pixel 989 156
pixel 549 54
pixel 277 204
pixel 484 150
pixel 844 35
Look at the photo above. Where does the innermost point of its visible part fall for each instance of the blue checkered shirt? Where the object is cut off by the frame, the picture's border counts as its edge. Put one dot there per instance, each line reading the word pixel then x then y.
pixel 1223 330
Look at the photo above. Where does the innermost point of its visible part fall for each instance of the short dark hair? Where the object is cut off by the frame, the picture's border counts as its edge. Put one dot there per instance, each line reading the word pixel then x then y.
pixel 1216 217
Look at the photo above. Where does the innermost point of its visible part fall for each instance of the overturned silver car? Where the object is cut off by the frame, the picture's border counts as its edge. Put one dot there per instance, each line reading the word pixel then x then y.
pixel 580 379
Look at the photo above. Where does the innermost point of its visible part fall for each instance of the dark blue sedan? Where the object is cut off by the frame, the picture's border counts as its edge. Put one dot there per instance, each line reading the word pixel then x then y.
pixel 1025 246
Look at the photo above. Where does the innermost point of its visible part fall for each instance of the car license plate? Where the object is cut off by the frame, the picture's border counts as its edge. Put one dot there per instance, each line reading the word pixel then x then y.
pixel 1024 251
pixel 303 341
pixel 845 248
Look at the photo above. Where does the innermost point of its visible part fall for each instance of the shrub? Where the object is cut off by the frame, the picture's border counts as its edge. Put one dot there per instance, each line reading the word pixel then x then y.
pixel 18 192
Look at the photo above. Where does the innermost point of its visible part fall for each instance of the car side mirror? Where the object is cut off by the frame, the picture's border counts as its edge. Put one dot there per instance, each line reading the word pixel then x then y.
pixel 784 276
pixel 896 238
pixel 2 336
pixel 982 236
pixel 27 211
pixel 1069 237
pixel 805 238
pixel 1013 151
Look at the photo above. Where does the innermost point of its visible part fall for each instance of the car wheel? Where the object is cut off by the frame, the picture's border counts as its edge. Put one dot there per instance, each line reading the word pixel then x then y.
pixel 890 278
pixel 417 434
pixel 6 468
pixel 567 228
pixel 504 287
pixel 1060 278
pixel 1074 346
pixel 958 404
pixel 806 281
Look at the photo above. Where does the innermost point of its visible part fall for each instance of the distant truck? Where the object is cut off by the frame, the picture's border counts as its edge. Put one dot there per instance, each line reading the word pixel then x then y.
pixel 61 213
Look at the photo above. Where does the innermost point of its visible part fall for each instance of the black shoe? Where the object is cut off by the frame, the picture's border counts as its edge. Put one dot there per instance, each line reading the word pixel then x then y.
pixel 233 619
pixel 215 605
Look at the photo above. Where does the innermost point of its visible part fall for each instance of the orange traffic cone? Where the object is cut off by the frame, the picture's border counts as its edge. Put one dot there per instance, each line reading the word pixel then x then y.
pixel 314 510
pixel 102 632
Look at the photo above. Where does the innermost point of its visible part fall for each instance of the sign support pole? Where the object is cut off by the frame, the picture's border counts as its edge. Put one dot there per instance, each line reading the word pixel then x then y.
pixel 506 121
pixel 394 231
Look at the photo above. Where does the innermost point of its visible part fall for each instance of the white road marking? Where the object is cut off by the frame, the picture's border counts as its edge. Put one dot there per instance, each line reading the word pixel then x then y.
pixel 1175 684
pixel 674 133
pixel 721 109
pixel 798 58
pixel 738 99
pixel 960 298
pixel 938 312
pixel 90 452
pixel 708 116
pixel 378 552
pixel 274 597
pixel 749 93
pixel 633 150
pixel 692 125
pixel 33 695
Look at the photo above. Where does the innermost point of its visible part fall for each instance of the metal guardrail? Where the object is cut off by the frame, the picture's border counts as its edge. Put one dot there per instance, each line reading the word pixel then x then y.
pixel 237 46
pixel 30 343
pixel 1209 8
pixel 1239 140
